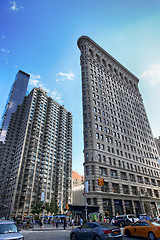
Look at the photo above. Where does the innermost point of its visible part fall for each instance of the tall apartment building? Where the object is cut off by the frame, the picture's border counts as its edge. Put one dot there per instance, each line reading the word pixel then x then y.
pixel 37 156
pixel 118 142
pixel 15 97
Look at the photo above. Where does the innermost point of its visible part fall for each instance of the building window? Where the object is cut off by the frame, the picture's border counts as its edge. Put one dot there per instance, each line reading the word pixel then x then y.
pixel 99 158
pixel 98 146
pixel 97 135
pixel 87 157
pixel 115 187
pixel 88 201
pixel 87 170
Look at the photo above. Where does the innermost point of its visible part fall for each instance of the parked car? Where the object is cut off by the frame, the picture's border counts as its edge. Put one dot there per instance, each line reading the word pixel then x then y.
pixel 121 221
pixel 143 228
pixel 9 231
pixel 96 231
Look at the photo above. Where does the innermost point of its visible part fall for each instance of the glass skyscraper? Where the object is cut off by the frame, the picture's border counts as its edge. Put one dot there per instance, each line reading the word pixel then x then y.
pixel 15 97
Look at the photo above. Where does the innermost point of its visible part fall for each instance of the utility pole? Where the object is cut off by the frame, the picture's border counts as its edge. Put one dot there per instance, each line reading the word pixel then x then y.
pixel 85 197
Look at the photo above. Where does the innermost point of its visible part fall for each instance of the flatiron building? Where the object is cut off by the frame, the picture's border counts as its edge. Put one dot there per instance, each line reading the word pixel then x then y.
pixel 119 147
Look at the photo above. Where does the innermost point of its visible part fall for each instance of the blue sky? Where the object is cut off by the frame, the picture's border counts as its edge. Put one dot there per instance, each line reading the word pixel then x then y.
pixel 40 38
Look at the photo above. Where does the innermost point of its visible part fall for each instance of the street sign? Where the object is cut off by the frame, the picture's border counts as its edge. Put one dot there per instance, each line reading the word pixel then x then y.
pixel 42 197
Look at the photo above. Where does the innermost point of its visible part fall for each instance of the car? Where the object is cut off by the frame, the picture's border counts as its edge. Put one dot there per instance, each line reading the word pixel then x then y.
pixel 96 231
pixel 132 218
pixel 143 228
pixel 121 221
pixel 9 231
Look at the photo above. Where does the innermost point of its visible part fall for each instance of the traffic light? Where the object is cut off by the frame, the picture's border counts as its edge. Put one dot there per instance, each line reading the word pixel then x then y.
pixel 102 181
pixel 67 206
pixel 99 181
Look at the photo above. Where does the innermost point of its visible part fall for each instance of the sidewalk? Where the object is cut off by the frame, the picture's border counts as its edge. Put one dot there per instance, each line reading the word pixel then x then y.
pixel 47 227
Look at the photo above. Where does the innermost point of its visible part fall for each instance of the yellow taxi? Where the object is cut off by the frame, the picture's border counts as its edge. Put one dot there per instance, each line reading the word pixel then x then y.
pixel 143 228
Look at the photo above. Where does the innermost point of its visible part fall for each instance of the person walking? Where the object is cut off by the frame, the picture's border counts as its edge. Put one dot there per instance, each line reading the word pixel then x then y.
pixel 64 223
pixel 41 224
pixel 81 221
pixel 113 221
pixel 72 222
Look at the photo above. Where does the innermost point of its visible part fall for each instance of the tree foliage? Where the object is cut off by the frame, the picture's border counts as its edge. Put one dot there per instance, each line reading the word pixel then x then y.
pixel 37 209
pixel 51 208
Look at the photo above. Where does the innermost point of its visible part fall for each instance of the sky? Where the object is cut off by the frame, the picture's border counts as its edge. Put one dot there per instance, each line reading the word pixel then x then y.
pixel 40 37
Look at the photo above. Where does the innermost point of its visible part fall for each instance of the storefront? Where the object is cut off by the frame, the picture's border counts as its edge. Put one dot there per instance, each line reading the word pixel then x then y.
pixel 154 209
pixel 107 207
pixel 137 207
pixel 118 207
pixel 128 206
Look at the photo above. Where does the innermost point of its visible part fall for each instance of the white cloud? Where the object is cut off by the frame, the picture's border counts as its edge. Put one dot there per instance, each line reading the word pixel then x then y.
pixel 4 53
pixel 152 74
pixel 63 76
pixel 5 50
pixel 3 37
pixel 34 80
pixel 14 6
pixel 57 96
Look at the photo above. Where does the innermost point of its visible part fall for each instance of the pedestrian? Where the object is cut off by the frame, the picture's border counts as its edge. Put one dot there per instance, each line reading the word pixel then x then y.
pixel 41 224
pixel 81 221
pixel 64 223
pixel 57 223
pixel 72 223
pixel 113 221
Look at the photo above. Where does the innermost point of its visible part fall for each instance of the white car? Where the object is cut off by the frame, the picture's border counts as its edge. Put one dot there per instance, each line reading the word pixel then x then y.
pixel 9 231
pixel 132 217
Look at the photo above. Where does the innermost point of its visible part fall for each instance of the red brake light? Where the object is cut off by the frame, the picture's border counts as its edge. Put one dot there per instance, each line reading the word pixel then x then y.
pixel 107 231
pixel 158 228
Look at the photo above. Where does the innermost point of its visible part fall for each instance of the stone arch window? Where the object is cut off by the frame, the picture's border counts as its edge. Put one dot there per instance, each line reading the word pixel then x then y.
pixel 90 52
pixel 97 58
pixel 115 70
pixel 104 62
pixel 135 86
pixel 110 67
pixel 126 79
pixel 131 83
pixel 121 75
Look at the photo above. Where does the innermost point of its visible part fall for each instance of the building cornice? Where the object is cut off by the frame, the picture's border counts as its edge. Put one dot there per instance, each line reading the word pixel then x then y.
pixel 86 38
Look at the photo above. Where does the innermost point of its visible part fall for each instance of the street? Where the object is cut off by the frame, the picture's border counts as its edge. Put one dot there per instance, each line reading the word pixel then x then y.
pixel 55 234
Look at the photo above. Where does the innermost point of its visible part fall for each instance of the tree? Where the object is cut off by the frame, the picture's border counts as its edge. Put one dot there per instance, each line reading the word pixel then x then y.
pixel 47 208
pixel 53 207
pixel 37 209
